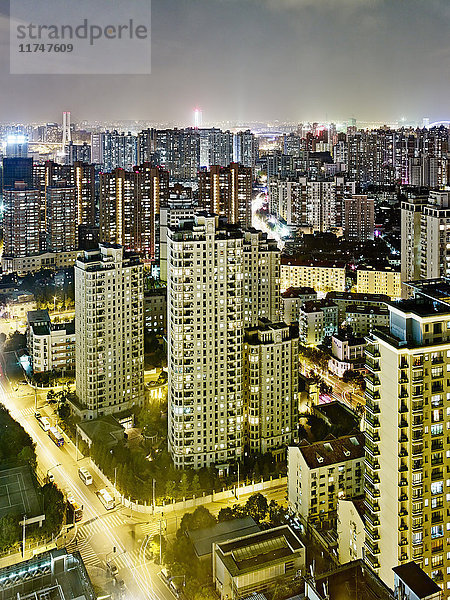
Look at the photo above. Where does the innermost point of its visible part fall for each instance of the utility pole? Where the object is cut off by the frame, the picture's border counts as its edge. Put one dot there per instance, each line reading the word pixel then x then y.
pixel 76 443
pixel 35 399
pixel 154 494
pixel 115 477
pixel 160 542
pixel 23 537
pixel 237 491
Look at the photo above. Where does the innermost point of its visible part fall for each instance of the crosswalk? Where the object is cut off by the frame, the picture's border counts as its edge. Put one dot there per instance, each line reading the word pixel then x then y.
pixel 25 412
pixel 129 559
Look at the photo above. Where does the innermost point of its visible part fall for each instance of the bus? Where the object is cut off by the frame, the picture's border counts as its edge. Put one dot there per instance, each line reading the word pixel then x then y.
pixel 106 499
pixel 44 423
pixel 54 433
pixel 74 510
pixel 85 476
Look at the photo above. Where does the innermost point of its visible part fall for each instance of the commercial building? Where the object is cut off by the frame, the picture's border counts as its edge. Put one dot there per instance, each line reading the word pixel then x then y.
pixel 321 276
pixel 55 575
pixel 358 218
pixel 318 319
pixel 109 331
pixel 322 472
pixel 372 280
pixel 407 446
pixel 227 191
pixel 51 346
pixel 18 304
pixel 255 563
pixel 270 386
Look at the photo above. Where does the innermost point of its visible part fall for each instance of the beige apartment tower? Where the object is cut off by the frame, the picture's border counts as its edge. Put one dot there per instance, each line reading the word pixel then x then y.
pixel 109 331
pixel 407 485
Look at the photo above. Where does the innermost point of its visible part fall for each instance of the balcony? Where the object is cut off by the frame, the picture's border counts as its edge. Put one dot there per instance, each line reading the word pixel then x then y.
pixel 403 482
pixel 403 512
pixel 372 519
pixel 403 497
pixel 403 408
pixel 403 542
pixel 403 423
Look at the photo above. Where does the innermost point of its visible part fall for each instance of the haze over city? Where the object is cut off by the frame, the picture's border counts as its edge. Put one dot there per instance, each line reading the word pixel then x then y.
pixel 261 60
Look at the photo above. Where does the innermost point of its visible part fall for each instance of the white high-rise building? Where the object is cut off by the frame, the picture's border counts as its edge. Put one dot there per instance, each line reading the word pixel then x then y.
pixel 109 349
pixel 205 337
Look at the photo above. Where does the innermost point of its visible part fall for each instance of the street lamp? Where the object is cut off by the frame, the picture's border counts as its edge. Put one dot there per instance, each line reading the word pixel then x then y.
pixel 51 468
pixel 54 303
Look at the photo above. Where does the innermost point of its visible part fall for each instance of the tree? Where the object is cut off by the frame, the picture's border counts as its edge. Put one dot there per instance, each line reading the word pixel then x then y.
pixel 63 411
pixel 16 341
pixel 9 530
pixel 170 489
pixel 184 485
pixel 28 456
pixel 195 484
pixel 257 507
pixel 201 518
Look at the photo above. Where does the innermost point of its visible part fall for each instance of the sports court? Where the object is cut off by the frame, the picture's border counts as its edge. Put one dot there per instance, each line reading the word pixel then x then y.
pixel 18 493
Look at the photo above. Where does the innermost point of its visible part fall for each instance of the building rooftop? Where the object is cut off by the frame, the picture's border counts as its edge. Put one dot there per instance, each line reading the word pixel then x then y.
pixel 333 450
pixel 107 429
pixel 417 580
pixel 317 305
pixel 258 550
pixel 350 338
pixel 436 290
pixel 352 296
pixel 38 316
pixel 384 269
pixel 203 539
pixel 289 261
pixel 367 310
pixel 53 575
pixel 295 292
pixel 351 581
pixel 335 412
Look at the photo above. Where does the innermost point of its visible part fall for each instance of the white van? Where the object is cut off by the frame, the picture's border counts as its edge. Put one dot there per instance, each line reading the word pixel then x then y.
pixel 85 476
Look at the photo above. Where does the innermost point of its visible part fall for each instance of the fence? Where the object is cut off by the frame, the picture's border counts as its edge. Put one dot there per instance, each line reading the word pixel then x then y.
pixel 147 508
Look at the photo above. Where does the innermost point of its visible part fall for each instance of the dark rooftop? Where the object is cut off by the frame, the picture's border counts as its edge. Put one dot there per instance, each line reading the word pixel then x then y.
pixel 333 450
pixel 288 260
pixel 295 292
pixel 358 297
pixel 203 539
pixel 416 579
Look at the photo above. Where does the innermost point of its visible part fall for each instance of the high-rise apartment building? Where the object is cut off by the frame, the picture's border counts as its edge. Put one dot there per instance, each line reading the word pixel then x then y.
pixel 246 148
pixel 178 151
pixel 411 240
pixel 77 152
pixel 205 336
pixel 17 169
pixel 227 191
pixel 21 221
pixel 270 386
pixel 61 218
pixel 261 279
pixel 358 218
pixel 407 443
pixel 118 150
pixel 324 201
pixel 129 207
pixel 435 236
pixel 108 331
pixel 216 147
pixel 146 145
pixel 288 201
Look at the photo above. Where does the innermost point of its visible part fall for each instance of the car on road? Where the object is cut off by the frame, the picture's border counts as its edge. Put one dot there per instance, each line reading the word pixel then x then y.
pixel 23 382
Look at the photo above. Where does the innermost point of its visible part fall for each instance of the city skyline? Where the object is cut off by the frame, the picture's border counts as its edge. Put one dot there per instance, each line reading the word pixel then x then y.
pixel 336 54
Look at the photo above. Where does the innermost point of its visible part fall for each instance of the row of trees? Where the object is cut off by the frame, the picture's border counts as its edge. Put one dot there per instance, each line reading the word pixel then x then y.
pixel 16 449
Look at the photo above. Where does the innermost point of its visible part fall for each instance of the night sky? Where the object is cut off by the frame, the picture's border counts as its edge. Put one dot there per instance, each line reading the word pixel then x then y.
pixel 251 60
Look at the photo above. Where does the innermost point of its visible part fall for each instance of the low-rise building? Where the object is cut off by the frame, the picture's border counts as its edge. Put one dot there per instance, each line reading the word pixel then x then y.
pixel 350 529
pixel 18 305
pixel 412 583
pixel 344 300
pixel 321 276
pixel 317 320
pixel 45 260
pixel 364 319
pixel 373 280
pixel 291 301
pixel 321 472
pixel 155 311
pixel 51 346
pixel 270 386
pixel 347 353
pixel 52 575
pixel 256 563
pixel 204 539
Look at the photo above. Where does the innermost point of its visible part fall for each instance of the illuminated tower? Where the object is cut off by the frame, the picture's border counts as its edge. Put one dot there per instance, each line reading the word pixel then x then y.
pixel 198 118
pixel 66 135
